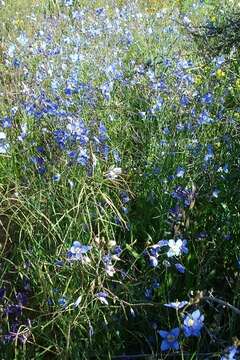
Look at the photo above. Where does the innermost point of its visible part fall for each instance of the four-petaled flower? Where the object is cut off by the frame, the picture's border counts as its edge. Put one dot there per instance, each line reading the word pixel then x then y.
pixel 193 324
pixel 170 339
pixel 78 252
pixel 177 247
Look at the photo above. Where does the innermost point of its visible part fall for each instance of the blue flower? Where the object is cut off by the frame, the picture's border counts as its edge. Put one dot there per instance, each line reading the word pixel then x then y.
pixel 207 98
pixel 182 194
pixel 125 198
pixel 210 154
pixel 230 353
pixel 170 339
pixel 204 118
pixel 219 61
pixel 6 122
pixel 154 250
pixel 180 172
pixel 148 293
pixel 176 305
pixel 102 296
pixel 184 101
pixel 62 301
pixel 56 177
pixel 117 250
pixel 78 252
pixel 16 63
pixel 180 268
pixel 193 324
pixel 155 284
pixel 153 261
pixel 68 2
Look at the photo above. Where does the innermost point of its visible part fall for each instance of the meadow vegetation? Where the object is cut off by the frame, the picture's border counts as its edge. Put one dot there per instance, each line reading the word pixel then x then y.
pixel 119 179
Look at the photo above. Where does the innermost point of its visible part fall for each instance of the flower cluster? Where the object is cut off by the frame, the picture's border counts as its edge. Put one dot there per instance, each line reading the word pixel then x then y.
pixel 175 249
pixel 192 326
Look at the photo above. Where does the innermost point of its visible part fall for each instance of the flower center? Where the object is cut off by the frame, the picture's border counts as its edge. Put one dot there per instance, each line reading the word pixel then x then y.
pixel 190 322
pixel 171 338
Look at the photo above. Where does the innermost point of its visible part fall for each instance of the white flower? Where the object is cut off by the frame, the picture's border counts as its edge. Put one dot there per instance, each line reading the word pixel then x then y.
pixel 174 247
pixel 114 173
pixel 3 145
pixel 102 296
pixel 110 270
pixel 2 136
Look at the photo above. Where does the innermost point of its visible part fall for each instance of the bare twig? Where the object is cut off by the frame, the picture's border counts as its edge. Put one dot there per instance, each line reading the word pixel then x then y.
pixel 222 302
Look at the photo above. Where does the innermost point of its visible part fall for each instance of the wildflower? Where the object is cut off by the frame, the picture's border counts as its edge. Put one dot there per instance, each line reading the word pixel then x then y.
pixel 207 98
pixel 184 101
pixel 6 122
pixel 204 118
pixel 228 237
pixel 180 268
pixel 116 252
pixel 170 339
pixel 56 177
pixel 210 154
pixel 102 296
pixel 177 305
pixel 153 255
pixel 215 193
pixel 113 173
pixel 110 270
pixel 176 213
pixel 78 252
pixel 148 293
pixel 22 39
pixel 153 261
pixel 125 198
pixel 62 301
pixel 68 2
pixel 182 194
pixel 116 156
pixel 180 172
pixel 220 73
pixel 155 284
pixel 176 248
pixel 59 263
pixel 16 63
pixel 161 243
pixel 193 324
pixel 107 260
pixel 219 61
pixel 230 353
pixel 14 310
pixel 157 106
